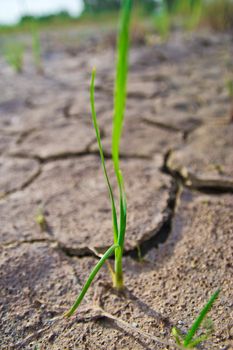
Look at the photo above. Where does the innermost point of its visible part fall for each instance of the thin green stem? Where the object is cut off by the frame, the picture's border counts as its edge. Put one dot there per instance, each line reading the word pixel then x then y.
pixel 119 109
pixel 92 275
pixel 118 118
pixel 118 281
pixel 118 278
pixel 120 83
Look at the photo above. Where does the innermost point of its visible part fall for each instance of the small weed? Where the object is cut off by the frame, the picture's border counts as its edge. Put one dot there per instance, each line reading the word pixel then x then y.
pixel 187 341
pixel 119 223
pixel 14 53
pixel 41 220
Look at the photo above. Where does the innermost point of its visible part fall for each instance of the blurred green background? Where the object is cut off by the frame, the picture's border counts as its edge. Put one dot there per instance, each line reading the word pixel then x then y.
pixel 36 27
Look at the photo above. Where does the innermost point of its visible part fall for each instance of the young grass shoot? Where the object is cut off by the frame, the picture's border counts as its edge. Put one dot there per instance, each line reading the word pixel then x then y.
pixel 119 223
pixel 188 341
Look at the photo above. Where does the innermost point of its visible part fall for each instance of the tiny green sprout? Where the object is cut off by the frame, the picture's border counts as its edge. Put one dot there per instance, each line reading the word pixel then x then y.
pixel 118 223
pixel 187 341
pixel 41 220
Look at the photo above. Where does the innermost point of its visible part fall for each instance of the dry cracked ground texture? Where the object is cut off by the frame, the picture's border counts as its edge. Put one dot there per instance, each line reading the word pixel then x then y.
pixel 178 163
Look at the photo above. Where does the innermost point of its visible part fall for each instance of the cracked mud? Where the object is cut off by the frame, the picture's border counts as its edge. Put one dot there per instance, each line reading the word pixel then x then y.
pixel 177 139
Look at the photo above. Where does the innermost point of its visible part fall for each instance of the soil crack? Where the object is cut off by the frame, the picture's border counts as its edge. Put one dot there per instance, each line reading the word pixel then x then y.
pixel 171 128
pixel 161 125
pixel 149 240
pixel 27 183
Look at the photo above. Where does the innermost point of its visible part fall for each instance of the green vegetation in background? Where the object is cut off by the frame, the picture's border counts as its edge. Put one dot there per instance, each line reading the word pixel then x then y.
pixel 187 341
pixel 91 6
pixel 174 14
pixel 36 49
pixel 99 6
pixel 58 20
pixel 99 11
pixel 162 22
pixel 13 53
pixel 218 14
pixel 119 226
pixel 185 14
pixel 60 16
pixel 189 12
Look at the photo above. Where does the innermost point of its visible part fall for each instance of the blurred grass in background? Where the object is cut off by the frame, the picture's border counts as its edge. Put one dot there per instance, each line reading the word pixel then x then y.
pixel 99 18
pixel 189 14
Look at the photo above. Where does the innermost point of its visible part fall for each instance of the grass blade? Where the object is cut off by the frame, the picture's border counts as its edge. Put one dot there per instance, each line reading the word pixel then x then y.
pixel 118 118
pixel 200 318
pixel 121 82
pixel 92 275
pixel 94 119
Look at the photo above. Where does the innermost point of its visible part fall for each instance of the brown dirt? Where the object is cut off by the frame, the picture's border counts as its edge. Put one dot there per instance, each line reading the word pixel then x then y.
pixel 177 134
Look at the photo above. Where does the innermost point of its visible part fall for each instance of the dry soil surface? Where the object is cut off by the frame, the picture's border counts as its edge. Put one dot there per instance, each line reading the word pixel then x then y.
pixel 177 160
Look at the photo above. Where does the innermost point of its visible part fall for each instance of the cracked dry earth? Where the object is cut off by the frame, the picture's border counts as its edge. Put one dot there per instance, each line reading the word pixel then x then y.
pixel 178 164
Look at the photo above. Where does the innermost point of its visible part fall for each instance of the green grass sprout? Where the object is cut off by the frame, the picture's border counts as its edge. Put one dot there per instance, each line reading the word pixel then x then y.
pixel 188 341
pixel 118 118
pixel 119 226
pixel 195 14
pixel 41 220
